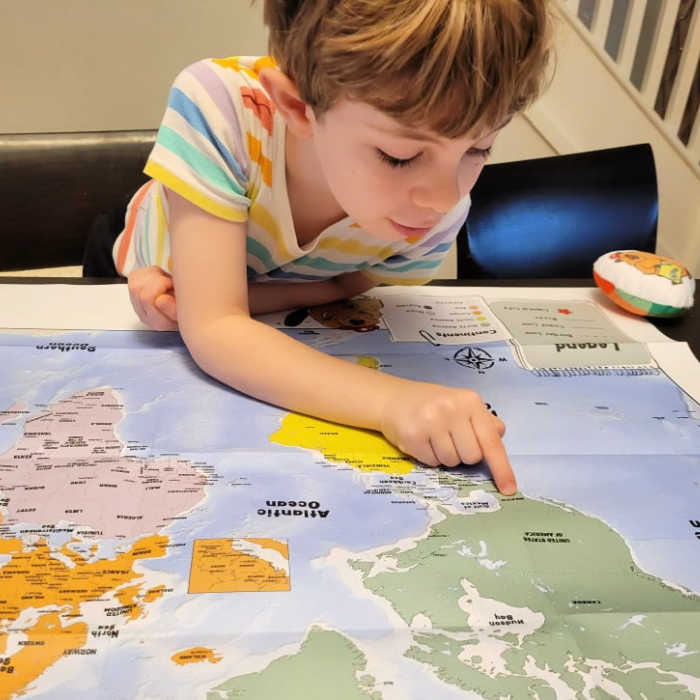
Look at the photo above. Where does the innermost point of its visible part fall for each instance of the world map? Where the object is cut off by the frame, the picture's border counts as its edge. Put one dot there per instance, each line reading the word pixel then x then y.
pixel 163 536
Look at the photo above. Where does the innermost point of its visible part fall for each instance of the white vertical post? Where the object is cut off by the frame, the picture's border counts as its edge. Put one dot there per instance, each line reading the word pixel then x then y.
pixel 659 51
pixel 601 21
pixel 694 141
pixel 630 36
pixel 685 75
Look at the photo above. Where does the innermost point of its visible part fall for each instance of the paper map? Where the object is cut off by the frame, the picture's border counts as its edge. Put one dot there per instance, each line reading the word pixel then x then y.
pixel 163 536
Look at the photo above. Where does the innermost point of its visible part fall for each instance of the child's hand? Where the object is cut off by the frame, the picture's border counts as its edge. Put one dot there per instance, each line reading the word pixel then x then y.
pixel 153 298
pixel 442 425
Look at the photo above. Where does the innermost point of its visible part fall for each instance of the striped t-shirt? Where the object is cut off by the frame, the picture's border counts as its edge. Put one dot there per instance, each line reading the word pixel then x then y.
pixel 221 146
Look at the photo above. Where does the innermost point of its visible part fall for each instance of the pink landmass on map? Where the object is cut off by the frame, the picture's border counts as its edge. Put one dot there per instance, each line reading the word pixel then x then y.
pixel 68 466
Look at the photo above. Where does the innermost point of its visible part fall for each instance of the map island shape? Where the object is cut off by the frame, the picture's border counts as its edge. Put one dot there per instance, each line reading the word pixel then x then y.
pixel 74 448
pixel 509 602
pixel 195 655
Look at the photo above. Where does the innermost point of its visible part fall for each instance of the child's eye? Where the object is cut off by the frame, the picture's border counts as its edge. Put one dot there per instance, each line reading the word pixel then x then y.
pixel 395 162
pixel 481 152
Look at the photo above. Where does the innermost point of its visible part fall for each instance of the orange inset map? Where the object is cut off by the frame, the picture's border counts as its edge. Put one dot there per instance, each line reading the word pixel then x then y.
pixel 236 565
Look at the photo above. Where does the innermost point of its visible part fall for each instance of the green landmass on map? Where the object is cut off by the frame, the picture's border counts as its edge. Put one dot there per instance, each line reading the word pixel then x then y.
pixel 327 665
pixel 579 607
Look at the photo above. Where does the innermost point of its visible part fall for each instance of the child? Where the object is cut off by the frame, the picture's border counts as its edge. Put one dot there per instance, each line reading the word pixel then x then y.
pixel 345 162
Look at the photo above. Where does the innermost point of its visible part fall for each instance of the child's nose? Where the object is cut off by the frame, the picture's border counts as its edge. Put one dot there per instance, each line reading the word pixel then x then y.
pixel 440 193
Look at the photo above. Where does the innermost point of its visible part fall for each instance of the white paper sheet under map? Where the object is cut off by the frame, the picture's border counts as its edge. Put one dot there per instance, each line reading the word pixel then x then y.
pixel 163 536
pixel 445 320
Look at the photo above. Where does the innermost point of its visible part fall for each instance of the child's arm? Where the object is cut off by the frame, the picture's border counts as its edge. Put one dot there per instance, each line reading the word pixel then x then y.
pixel 265 297
pixel 153 295
pixel 435 424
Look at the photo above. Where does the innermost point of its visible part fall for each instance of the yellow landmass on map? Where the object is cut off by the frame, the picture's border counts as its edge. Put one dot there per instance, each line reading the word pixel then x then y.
pixel 368 361
pixel 217 567
pixel 47 641
pixel 362 449
pixel 35 577
pixel 196 655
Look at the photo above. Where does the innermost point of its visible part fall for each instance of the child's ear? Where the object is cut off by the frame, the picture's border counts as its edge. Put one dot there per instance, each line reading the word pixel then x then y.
pixel 282 91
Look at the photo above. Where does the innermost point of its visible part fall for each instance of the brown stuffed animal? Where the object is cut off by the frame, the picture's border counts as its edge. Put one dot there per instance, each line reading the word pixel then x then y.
pixel 360 314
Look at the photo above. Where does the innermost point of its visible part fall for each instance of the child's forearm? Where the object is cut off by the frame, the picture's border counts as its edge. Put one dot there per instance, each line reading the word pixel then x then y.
pixel 435 424
pixel 265 363
pixel 266 297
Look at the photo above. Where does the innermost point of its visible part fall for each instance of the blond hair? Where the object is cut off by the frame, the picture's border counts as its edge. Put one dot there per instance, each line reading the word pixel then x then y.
pixel 454 66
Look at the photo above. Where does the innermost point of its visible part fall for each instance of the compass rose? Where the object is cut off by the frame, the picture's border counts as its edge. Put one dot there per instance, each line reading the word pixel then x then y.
pixel 473 358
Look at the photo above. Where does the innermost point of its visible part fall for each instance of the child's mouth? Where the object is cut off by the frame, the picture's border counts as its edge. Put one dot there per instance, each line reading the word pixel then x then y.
pixel 410 230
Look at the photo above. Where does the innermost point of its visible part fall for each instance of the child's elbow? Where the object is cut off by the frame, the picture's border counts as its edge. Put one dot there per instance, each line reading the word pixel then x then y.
pixel 212 342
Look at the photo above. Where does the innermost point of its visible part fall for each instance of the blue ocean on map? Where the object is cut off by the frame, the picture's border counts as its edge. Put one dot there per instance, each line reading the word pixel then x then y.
pixel 173 407
pixel 618 447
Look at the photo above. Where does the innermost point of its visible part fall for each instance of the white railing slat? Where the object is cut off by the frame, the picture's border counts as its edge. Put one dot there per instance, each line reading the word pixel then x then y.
pixel 686 72
pixel 571 6
pixel 694 141
pixel 601 21
pixel 659 51
pixel 630 36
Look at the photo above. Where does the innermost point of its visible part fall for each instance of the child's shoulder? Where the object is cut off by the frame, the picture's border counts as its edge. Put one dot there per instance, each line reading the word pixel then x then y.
pixel 229 91
pixel 233 71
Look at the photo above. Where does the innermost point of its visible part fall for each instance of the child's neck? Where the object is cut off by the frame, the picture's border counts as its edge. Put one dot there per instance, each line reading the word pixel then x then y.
pixel 314 208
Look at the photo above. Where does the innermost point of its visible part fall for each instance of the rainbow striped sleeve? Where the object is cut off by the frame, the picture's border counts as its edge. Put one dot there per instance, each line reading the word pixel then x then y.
pixel 419 263
pixel 199 151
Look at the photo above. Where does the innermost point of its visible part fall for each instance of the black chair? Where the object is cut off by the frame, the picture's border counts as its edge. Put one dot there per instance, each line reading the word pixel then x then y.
pixel 52 186
pixel 552 217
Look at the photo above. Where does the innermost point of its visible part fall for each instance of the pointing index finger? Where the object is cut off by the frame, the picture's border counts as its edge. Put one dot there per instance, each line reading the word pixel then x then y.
pixel 495 455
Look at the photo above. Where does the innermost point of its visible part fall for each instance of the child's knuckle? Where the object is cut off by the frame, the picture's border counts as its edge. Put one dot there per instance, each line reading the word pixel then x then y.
pixel 451 460
pixel 409 438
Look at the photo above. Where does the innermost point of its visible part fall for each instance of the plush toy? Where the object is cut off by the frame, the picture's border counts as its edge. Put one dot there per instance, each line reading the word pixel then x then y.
pixel 645 283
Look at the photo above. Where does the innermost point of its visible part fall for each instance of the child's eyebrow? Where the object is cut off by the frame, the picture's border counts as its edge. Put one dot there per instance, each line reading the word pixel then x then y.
pixel 406 133
pixel 417 135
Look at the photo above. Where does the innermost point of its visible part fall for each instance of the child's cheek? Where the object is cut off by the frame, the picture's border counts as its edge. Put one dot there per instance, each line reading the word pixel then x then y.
pixel 468 176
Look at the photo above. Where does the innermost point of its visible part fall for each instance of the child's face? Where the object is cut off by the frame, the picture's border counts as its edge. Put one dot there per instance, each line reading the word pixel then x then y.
pixel 393 181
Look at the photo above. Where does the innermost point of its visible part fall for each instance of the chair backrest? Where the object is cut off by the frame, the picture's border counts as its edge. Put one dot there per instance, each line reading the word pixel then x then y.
pixel 552 217
pixel 53 185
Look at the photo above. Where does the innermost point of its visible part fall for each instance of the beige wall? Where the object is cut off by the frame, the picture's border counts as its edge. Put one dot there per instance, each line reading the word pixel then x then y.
pixel 83 65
